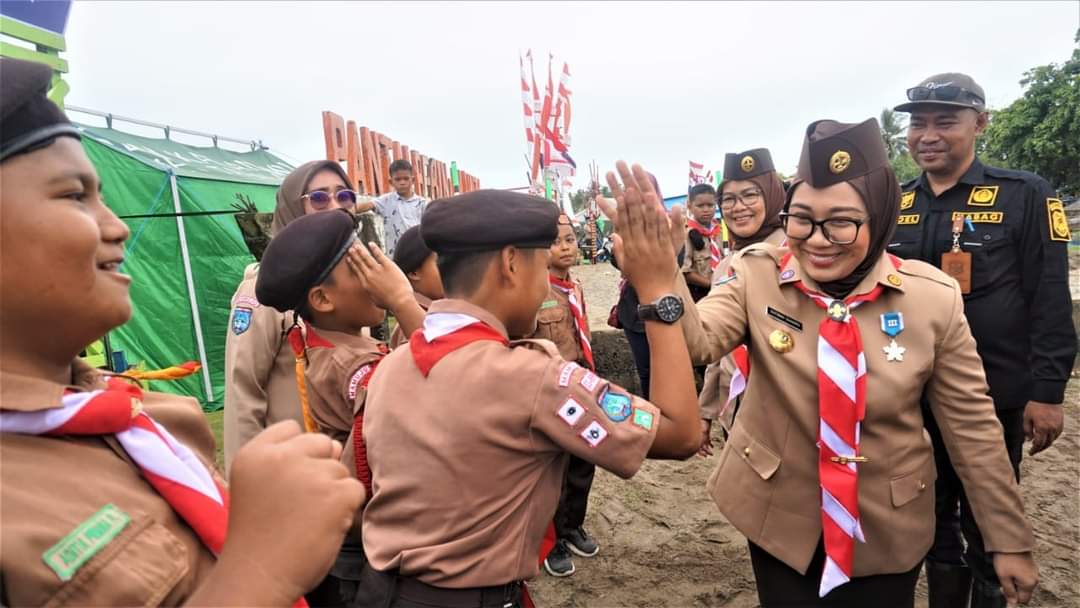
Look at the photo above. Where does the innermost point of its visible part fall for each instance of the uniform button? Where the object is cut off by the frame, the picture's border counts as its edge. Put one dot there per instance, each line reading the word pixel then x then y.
pixel 986 237
pixel 746 451
pixel 922 486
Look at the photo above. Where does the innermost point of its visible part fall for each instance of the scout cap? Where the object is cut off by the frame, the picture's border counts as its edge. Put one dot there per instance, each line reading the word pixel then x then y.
pixel 486 220
pixel 744 165
pixel 27 117
pixel 301 256
pixel 411 251
pixel 950 89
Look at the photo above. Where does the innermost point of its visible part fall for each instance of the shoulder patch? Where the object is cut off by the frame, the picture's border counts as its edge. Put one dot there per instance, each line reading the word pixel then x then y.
pixel 241 320
pixel 907 200
pixel 246 301
pixel 616 406
pixel 594 434
pixel 87 539
pixel 982 196
pixel 359 379
pixel 566 372
pixel 1059 224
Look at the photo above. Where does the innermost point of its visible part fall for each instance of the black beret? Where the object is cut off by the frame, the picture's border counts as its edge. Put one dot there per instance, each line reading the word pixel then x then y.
pixel 411 251
pixel 835 152
pixel 27 117
pixel 744 165
pixel 485 220
pixel 301 256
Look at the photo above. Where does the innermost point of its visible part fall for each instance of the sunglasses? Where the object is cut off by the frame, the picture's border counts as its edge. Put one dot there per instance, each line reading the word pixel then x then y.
pixel 942 93
pixel 320 199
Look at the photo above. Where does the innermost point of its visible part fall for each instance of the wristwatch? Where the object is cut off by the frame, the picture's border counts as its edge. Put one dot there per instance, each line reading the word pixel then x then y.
pixel 667 309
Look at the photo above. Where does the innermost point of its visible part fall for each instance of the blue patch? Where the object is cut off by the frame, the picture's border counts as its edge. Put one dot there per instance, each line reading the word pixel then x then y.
pixel 616 405
pixel 241 320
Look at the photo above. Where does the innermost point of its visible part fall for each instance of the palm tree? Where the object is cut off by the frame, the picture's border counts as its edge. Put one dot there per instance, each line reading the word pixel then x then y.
pixel 892 131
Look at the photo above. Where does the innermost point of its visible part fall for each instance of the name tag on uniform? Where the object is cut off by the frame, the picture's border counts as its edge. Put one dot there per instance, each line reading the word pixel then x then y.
pixel 908 219
pixel 548 304
pixel 980 217
pixel 785 319
pixel 87 539
pixel 957 264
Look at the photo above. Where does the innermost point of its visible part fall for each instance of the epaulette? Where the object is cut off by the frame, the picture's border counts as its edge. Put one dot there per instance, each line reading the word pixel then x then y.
pixel 539 345
pixel 1027 177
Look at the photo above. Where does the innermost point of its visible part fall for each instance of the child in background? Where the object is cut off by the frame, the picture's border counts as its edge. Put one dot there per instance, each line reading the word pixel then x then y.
pixel 400 209
pixel 414 258
pixel 702 240
pixel 563 320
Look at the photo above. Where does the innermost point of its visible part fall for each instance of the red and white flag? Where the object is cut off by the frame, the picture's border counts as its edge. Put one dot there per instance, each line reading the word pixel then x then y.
pixel 699 174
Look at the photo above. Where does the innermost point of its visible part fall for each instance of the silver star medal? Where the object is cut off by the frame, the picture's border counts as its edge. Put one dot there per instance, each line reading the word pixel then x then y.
pixel 894 352
pixel 892 323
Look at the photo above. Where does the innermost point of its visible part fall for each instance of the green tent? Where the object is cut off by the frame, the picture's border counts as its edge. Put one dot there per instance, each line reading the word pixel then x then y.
pixel 184 259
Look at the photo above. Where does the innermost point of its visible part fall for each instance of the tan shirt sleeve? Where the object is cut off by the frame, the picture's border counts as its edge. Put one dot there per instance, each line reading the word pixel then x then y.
pixel 249 359
pixel 717 323
pixel 973 437
pixel 577 411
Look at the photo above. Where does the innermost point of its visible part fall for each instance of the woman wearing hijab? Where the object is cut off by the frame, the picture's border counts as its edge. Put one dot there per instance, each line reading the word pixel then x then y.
pixel 751 198
pixel 828 471
pixel 260 376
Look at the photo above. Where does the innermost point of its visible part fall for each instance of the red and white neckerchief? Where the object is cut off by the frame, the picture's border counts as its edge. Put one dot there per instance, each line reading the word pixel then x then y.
pixel 445 332
pixel 841 409
pixel 577 308
pixel 710 235
pixel 168 465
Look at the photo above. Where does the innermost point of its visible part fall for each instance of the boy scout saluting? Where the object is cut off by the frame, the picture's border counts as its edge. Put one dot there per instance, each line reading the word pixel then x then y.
pixel 105 490
pixel 828 470
pixel 312 267
pixel 1003 235
pixel 467 474
pixel 563 320
pixel 751 198
pixel 260 384
pixel 414 258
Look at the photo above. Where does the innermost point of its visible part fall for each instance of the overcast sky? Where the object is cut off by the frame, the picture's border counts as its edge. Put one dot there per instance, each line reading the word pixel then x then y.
pixel 659 84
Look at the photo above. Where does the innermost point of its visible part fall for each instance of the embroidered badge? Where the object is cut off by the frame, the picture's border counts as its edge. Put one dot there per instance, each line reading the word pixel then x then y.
pixel 590 381
pixel 67 556
pixel 565 373
pixel 907 219
pixel 982 196
pixel 594 434
pixel 549 304
pixel 1059 224
pixel 246 301
pixel 785 319
pixel 357 379
pixel 979 217
pixel 241 320
pixel 571 412
pixel 643 419
pixel 907 200
pixel 615 405
pixel 787 274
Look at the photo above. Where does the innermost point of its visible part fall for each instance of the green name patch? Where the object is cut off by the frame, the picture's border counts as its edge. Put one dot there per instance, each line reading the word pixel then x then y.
pixel 549 304
pixel 67 556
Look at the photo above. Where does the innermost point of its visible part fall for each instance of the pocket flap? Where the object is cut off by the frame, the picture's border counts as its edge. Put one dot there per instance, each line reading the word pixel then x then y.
pixel 907 488
pixel 763 460
pixel 551 314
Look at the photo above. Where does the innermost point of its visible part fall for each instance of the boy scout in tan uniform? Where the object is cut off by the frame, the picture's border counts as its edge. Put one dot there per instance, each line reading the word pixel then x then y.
pixel 915 341
pixel 442 529
pixel 704 240
pixel 108 493
pixel 260 381
pixel 414 258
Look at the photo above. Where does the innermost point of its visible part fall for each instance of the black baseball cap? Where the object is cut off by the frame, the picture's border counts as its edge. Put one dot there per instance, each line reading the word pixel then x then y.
pixel 949 89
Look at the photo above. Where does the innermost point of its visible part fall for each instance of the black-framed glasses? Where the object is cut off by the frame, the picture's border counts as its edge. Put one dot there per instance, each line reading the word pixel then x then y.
pixel 748 198
pixel 947 92
pixel 320 199
pixel 837 230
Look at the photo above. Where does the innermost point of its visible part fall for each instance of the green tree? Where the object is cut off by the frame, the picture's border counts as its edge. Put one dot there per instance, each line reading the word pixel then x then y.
pixel 1040 131
pixel 905 168
pixel 894 134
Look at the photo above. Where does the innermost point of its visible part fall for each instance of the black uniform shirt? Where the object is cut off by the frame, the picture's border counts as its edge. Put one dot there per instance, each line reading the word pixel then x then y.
pixel 1019 307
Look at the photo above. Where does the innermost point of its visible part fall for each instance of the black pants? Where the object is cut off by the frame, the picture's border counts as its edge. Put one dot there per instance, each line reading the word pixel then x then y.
pixel 780 586
pixel 639 348
pixel 339 587
pixel 391 590
pixel 954 516
pixel 574 500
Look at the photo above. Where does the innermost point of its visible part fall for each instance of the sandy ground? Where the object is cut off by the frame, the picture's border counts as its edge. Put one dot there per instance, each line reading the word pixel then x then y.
pixel 663 542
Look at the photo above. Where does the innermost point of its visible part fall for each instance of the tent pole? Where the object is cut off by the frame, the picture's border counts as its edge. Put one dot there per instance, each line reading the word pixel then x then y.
pixel 207 389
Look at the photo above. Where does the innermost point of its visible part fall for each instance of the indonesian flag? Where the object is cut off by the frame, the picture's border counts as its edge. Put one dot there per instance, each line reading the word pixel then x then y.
pixel 537 151
pixel 699 174
pixel 526 104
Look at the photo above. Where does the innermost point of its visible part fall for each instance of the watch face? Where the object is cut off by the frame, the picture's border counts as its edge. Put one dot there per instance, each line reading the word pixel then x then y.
pixel 669 309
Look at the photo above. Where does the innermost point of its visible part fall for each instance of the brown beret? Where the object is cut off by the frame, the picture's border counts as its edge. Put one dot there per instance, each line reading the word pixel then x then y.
pixel 411 251
pixel 301 256
pixel 744 165
pixel 485 220
pixel 835 152
pixel 27 117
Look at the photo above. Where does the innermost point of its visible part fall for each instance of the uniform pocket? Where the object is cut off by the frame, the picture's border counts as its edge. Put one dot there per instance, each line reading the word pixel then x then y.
pixel 760 458
pixel 910 486
pixel 137 568
pixel 551 314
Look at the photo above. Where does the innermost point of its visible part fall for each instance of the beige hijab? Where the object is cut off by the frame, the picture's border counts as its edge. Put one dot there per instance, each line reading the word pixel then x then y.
pixel 290 204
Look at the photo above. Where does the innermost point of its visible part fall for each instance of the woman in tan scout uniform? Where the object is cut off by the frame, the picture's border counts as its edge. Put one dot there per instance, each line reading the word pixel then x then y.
pixel 751 198
pixel 107 493
pixel 260 382
pixel 828 471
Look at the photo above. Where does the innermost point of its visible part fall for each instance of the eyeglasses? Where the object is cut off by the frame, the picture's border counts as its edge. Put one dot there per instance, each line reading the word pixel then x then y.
pixel 943 93
pixel 748 198
pixel 839 230
pixel 320 199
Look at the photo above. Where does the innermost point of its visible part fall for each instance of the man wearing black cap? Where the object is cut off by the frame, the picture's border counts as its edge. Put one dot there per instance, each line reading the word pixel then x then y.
pixel 1002 235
